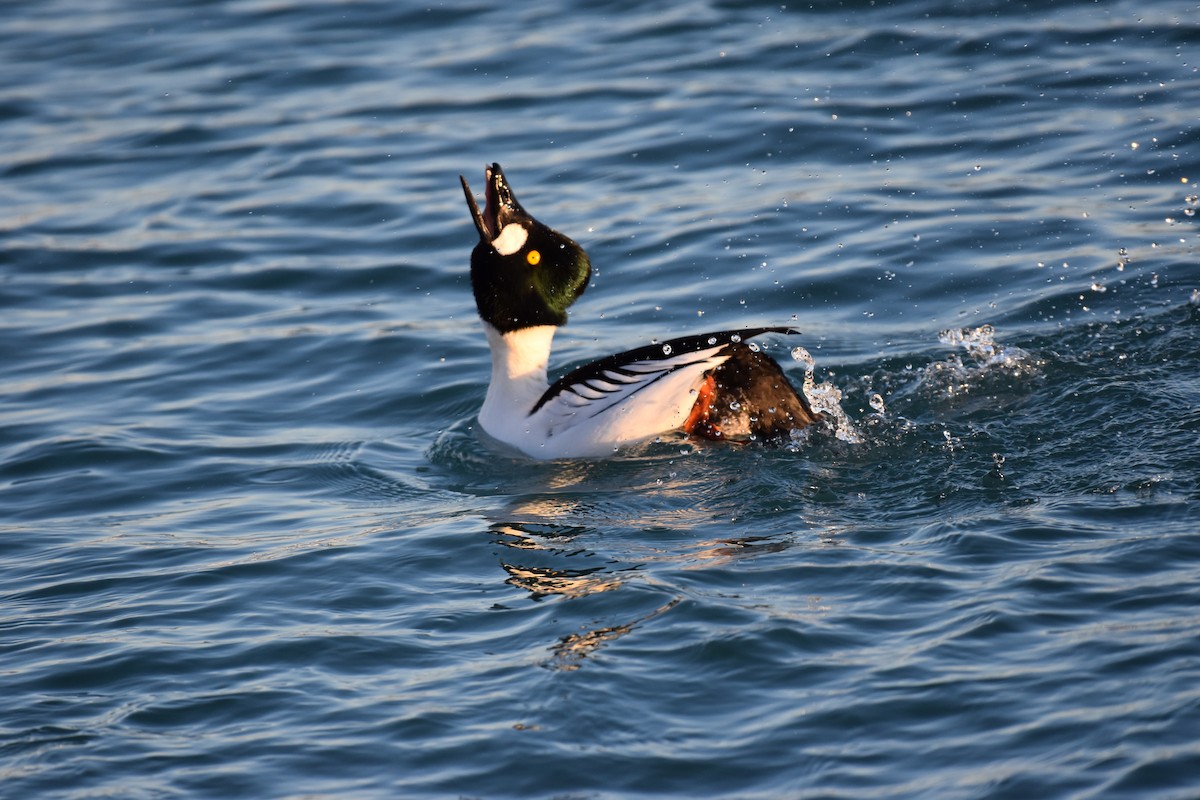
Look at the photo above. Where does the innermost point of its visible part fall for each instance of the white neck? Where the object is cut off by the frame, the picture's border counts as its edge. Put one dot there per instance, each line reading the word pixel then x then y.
pixel 518 376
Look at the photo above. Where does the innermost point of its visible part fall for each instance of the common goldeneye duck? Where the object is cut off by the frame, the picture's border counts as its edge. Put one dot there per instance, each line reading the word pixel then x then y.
pixel 525 275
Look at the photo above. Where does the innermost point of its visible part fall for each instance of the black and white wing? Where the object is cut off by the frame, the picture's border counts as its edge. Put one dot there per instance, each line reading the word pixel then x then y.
pixel 641 388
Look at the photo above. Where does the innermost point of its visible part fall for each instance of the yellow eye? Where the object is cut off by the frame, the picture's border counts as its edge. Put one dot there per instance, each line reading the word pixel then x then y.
pixel 533 257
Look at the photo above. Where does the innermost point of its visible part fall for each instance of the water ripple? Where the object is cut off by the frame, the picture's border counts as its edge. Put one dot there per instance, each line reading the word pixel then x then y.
pixel 252 544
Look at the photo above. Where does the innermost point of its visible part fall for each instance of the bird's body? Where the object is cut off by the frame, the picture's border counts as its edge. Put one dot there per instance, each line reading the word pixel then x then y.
pixel 524 276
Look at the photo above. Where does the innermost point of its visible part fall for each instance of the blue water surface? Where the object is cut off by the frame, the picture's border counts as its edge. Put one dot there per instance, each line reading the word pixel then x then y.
pixel 252 544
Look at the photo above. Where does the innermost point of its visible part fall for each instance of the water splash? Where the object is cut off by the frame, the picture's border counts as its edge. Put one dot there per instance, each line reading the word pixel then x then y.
pixel 980 344
pixel 826 399
pixel 984 358
pixel 997 464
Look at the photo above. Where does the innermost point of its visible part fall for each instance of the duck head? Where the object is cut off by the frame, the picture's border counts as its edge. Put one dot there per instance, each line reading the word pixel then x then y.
pixel 523 273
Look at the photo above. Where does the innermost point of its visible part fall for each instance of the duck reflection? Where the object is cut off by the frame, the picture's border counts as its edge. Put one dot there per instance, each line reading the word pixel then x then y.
pixel 535 535
pixel 550 547
pixel 554 542
pixel 717 551
pixel 572 649
pixel 551 543
pixel 543 581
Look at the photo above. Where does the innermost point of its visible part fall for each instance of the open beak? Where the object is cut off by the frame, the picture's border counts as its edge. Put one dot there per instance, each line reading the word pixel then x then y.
pixel 501 205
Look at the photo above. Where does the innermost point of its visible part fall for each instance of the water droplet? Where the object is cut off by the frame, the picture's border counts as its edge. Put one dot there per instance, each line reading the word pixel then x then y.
pixel 804 357
pixel 712 340
pixel 1098 287
pixel 876 402
pixel 735 406
pixel 951 443
pixel 753 346
pixel 666 349
pixel 735 338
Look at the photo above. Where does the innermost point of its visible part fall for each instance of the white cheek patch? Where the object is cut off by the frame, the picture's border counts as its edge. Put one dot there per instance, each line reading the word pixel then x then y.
pixel 511 239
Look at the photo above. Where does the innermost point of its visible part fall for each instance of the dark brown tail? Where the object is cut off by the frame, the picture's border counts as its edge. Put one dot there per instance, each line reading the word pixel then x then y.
pixel 748 396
